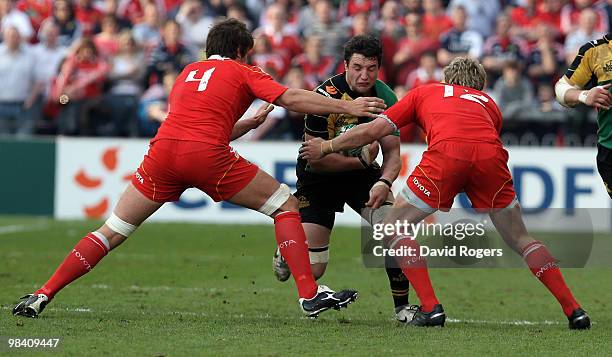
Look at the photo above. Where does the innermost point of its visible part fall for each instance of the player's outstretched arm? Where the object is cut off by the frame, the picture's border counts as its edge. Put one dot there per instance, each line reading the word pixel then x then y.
pixel 569 95
pixel 303 101
pixel 338 162
pixel 392 163
pixel 245 125
pixel 359 136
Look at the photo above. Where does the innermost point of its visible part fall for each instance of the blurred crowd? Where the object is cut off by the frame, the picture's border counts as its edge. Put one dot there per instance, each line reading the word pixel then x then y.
pixel 105 68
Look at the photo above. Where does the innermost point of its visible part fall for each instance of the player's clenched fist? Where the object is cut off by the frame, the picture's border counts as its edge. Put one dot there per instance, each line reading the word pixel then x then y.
pixel 312 149
pixel 366 107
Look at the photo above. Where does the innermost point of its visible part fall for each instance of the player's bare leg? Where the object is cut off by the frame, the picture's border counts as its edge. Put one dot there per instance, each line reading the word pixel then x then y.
pixel 431 312
pixel 132 209
pixel 318 251
pixel 268 196
pixel 509 223
pixel 318 247
pixel 398 283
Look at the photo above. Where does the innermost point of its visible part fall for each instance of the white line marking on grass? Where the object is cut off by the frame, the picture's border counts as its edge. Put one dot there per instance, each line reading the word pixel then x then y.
pixel 16 228
pixel 516 323
pixel 13 229
pixel 76 309
pixel 267 316
pixel 80 309
pixel 162 288
pixel 158 313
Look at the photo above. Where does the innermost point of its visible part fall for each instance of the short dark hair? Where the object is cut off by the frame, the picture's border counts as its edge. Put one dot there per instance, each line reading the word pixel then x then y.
pixel 229 38
pixel 367 45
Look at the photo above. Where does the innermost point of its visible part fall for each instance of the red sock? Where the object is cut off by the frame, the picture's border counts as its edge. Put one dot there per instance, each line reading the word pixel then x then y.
pixel 83 257
pixel 415 269
pixel 545 268
pixel 291 241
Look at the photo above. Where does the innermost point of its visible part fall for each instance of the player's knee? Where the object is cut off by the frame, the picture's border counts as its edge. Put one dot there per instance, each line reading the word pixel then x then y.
pixel 116 230
pixel 281 200
pixel 291 204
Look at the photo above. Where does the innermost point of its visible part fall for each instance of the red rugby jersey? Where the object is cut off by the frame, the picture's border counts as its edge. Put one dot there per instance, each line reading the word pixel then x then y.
pixel 210 96
pixel 449 112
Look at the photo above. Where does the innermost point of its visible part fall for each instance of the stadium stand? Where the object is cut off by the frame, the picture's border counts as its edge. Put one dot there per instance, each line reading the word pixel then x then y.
pixel 101 68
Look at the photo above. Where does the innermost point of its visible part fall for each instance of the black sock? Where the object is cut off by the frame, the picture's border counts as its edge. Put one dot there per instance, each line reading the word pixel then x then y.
pixel 397 282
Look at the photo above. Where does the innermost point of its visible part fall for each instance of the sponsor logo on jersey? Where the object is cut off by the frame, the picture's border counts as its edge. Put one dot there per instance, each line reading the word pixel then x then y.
pixel 421 187
pixel 344 122
pixel 331 90
pixel 320 90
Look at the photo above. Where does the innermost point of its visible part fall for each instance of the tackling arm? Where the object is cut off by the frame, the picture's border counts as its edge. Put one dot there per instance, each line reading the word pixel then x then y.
pixel 303 101
pixel 245 125
pixel 335 162
pixel 240 128
pixel 359 136
pixel 392 163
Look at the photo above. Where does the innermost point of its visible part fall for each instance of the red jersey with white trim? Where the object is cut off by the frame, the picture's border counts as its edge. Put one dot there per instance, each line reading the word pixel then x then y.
pixel 210 96
pixel 449 112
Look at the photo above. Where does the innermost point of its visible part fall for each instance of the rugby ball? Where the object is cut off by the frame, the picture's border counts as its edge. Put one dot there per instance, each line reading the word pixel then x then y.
pixel 356 152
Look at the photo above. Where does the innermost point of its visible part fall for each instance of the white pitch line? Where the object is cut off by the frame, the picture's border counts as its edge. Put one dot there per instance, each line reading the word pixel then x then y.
pixel 12 229
pixel 516 323
pixel 161 288
pixel 157 313
pixel 76 309
pixel 267 316
pixel 20 228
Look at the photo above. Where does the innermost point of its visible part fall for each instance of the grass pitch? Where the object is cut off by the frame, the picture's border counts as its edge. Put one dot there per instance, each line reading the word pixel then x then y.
pixel 179 289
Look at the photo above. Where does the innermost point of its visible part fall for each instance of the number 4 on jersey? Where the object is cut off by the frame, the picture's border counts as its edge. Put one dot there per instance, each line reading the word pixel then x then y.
pixel 203 81
pixel 476 98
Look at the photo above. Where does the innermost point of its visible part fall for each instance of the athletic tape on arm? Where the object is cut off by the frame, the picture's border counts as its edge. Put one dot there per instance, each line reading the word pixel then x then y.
pixel 391 123
pixel 276 200
pixel 561 87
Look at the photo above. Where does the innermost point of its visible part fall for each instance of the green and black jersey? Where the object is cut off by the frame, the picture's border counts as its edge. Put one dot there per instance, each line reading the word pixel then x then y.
pixel 332 190
pixel 331 125
pixel 593 66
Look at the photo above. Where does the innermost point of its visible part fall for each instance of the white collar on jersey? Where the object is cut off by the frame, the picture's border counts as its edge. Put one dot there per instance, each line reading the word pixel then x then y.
pixel 217 57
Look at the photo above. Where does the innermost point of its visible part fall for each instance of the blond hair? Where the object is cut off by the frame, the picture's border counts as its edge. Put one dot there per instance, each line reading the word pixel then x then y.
pixel 465 71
